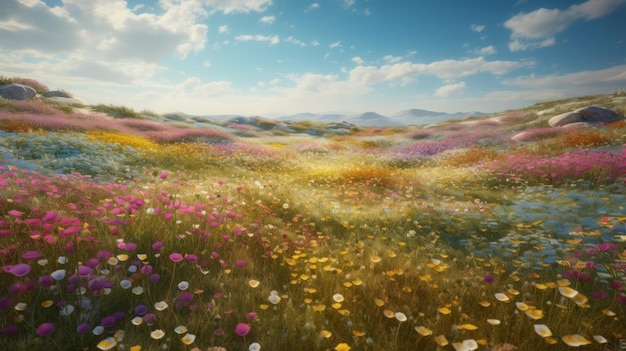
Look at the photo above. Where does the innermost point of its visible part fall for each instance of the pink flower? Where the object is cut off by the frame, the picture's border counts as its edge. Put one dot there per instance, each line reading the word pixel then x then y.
pixel 20 270
pixel 164 175
pixel 176 257
pixel 242 329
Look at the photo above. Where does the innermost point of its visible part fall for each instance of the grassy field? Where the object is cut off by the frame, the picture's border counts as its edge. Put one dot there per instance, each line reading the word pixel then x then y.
pixel 122 230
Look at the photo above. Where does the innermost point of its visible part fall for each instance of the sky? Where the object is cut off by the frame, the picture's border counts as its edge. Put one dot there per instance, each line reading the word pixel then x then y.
pixel 279 57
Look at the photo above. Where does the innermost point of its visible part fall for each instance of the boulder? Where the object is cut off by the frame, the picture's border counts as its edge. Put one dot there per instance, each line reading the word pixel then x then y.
pixel 589 115
pixel 67 101
pixel 17 92
pixel 57 93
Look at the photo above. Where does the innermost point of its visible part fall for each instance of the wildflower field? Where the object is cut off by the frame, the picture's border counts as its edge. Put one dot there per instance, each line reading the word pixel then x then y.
pixel 139 232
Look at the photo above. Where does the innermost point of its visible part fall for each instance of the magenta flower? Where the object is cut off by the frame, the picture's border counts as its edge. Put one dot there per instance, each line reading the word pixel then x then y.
pixel 31 255
pixel 242 329
pixel 20 270
pixel 16 213
pixel 157 245
pixel 599 294
pixel 176 257
pixel 185 296
pixel 489 279
pixel 49 216
pixel 251 315
pixel 164 175
pixel 191 258
pixel 240 263
pixel 10 330
pixel 45 329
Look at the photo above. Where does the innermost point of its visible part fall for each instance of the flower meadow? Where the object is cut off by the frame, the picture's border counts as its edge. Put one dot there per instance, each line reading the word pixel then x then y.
pixel 139 234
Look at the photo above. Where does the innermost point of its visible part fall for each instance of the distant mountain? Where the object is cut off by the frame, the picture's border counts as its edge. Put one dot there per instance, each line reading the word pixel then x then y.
pixel 419 117
pixel 307 116
pixel 372 119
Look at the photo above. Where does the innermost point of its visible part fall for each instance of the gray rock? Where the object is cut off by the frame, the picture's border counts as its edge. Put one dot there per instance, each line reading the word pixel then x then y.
pixel 17 92
pixel 57 93
pixel 67 101
pixel 589 114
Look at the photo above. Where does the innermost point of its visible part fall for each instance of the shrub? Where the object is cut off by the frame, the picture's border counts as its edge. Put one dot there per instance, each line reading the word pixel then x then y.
pixel 584 138
pixel 15 126
pixel 469 157
pixel 118 111
pixel 39 88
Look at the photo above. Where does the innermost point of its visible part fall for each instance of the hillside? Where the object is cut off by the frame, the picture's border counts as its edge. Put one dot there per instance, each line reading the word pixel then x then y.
pixel 131 230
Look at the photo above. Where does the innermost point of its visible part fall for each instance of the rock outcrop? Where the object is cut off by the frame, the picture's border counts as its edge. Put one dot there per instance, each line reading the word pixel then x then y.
pixel 17 92
pixel 589 115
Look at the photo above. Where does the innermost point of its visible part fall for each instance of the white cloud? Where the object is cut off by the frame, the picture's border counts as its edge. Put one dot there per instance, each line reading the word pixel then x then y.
pixel 294 41
pixel 267 19
pixel 477 27
pixel 335 45
pixel 237 6
pixel 107 35
pixel 315 43
pixel 313 6
pixel 445 69
pixel 538 28
pixel 608 79
pixel 392 59
pixel 222 29
pixel 359 61
pixel 273 40
pixel 487 50
pixel 450 89
pixel 347 3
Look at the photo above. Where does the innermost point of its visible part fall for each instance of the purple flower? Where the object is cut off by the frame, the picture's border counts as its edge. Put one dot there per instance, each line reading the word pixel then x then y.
pixel 242 329
pixel 20 270
pixel 45 281
pixel 83 328
pixel 107 321
pixel 149 318
pixel 6 303
pixel 489 279
pixel 45 329
pixel 10 330
pixel 251 315
pixel 155 278
pixel 141 310
pixel 147 269
pixel 185 296
pixel 240 263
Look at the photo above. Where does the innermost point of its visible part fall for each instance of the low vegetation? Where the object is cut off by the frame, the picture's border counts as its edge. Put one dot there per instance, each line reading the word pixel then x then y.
pixel 121 232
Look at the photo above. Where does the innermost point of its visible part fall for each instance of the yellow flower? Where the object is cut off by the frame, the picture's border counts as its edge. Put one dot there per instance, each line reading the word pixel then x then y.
pixel 342 347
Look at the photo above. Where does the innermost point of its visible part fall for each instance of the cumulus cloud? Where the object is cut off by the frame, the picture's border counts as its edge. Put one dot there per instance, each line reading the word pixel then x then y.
pixel 445 69
pixel 272 40
pixel 292 40
pixel 359 61
pixel 537 28
pixel 487 50
pixel 608 79
pixel 450 89
pixel 267 19
pixel 106 33
pixel 222 29
pixel 313 6
pixel 237 6
pixel 477 27
pixel 335 45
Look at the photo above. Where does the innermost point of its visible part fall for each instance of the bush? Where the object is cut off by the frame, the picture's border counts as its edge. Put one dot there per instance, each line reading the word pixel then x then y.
pixel 39 88
pixel 118 111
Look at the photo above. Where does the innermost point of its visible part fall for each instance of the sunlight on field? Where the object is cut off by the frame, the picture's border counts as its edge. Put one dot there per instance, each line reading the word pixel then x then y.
pixel 399 242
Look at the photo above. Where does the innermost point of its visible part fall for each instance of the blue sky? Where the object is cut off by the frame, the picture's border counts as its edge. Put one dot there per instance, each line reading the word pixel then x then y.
pixel 273 57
